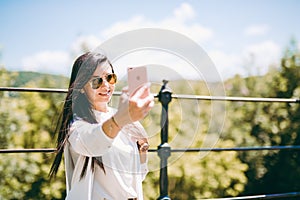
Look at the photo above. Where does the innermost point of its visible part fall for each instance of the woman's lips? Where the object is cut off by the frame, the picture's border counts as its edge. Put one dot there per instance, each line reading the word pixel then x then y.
pixel 106 93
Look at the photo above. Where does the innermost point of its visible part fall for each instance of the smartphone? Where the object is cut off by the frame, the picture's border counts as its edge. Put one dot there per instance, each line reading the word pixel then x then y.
pixel 137 77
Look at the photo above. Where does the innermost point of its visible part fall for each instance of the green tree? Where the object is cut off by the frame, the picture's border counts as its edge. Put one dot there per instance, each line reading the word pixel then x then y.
pixel 282 167
pixel 25 176
pixel 267 124
pixel 193 175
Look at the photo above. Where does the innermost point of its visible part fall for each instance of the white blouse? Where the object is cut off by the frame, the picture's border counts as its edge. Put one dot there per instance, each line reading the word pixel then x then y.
pixel 123 173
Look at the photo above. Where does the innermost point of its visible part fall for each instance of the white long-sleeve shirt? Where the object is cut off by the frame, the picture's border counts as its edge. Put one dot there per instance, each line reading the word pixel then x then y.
pixel 123 175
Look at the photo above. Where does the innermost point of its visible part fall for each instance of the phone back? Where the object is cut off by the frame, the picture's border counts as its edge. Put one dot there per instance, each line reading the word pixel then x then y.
pixel 137 76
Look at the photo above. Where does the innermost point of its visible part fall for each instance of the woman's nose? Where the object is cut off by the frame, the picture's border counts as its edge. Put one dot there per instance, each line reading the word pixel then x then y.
pixel 105 82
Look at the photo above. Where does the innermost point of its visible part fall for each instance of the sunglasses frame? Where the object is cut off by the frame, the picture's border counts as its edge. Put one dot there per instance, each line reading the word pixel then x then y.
pixel 111 80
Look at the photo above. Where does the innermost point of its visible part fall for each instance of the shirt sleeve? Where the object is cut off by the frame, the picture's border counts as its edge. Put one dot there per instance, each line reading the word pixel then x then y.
pixel 136 130
pixel 89 139
pixel 144 170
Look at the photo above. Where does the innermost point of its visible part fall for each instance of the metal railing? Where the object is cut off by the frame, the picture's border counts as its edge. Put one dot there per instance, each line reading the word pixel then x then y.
pixel 174 96
pixel 164 150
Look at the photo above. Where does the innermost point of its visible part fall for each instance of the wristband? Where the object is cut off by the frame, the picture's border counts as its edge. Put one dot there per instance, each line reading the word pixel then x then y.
pixel 114 121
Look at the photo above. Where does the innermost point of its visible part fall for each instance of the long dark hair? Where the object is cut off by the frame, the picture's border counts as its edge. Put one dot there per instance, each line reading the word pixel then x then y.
pixel 76 103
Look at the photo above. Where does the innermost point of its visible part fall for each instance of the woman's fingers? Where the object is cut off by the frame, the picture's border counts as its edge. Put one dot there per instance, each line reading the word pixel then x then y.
pixel 141 92
pixel 136 107
pixel 143 144
pixel 142 96
pixel 144 147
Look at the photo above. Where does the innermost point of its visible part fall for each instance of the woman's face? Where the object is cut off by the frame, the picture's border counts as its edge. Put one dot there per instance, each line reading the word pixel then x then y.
pixel 101 96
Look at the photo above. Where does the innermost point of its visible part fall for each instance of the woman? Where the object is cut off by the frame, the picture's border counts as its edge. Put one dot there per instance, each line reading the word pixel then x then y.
pixel 105 150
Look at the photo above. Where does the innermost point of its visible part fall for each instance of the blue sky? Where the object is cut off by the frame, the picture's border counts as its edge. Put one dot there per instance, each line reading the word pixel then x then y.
pixel 240 36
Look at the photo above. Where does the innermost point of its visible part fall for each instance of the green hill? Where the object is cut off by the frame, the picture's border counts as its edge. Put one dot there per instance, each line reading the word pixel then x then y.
pixel 22 78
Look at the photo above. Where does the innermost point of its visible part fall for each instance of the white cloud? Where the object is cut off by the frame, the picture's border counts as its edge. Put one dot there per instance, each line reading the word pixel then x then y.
pixel 55 62
pixel 184 12
pixel 257 30
pixel 263 54
pixel 260 56
pixel 123 26
pixel 59 62
pixel 161 65
pixel 84 43
pixel 255 58
pixel 181 21
pixel 226 64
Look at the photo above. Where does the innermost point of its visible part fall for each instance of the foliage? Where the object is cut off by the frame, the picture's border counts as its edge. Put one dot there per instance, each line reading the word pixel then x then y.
pixel 268 124
pixel 28 124
pixel 282 167
pixel 193 175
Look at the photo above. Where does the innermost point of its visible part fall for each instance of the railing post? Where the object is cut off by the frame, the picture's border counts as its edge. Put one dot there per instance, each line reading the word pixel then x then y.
pixel 164 149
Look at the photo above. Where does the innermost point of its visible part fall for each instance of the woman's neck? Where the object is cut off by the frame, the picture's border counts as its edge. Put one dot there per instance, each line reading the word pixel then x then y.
pixel 101 107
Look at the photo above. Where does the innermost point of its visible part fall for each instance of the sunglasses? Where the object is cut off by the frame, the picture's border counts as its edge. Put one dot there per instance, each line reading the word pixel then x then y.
pixel 97 82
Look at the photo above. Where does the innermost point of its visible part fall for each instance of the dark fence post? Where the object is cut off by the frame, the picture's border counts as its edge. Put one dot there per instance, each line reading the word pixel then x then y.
pixel 164 149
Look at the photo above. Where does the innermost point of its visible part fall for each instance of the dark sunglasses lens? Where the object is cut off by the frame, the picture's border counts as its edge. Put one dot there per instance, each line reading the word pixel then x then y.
pixel 111 78
pixel 96 83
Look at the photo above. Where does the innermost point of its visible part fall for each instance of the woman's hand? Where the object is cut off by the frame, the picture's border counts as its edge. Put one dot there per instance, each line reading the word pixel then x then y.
pixel 134 108
pixel 143 147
